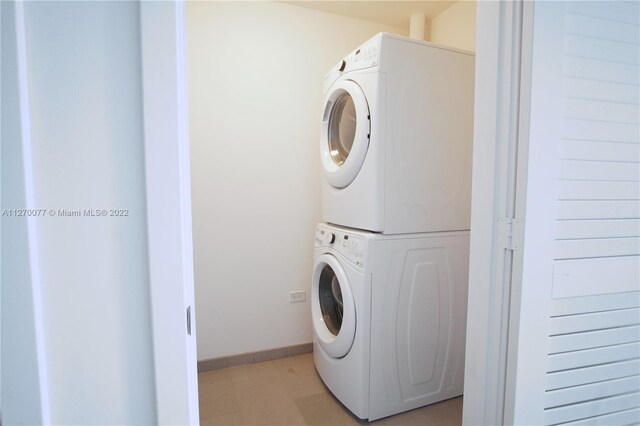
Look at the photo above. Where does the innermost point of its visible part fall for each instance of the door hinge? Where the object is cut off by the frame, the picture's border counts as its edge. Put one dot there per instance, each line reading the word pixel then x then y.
pixel 189 320
pixel 509 233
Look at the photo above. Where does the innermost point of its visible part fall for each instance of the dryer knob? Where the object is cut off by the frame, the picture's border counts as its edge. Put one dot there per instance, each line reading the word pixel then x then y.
pixel 332 238
pixel 342 65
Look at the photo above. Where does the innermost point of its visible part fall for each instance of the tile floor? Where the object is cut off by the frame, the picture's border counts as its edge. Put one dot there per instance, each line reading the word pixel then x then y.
pixel 288 391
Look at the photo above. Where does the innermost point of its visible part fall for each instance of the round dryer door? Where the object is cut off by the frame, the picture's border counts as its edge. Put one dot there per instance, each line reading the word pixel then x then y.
pixel 345 133
pixel 332 307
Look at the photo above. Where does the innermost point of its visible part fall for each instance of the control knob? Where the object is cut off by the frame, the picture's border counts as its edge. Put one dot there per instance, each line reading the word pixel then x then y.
pixel 332 238
pixel 342 65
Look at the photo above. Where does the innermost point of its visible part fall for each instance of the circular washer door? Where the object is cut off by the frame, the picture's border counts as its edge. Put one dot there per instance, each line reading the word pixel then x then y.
pixel 345 133
pixel 332 307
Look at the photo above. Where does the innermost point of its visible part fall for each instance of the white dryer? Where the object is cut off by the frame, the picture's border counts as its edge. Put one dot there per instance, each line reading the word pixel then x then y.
pixel 397 129
pixel 389 317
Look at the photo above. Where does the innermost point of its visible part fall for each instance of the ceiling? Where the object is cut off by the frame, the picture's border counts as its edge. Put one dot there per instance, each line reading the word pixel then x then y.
pixel 395 13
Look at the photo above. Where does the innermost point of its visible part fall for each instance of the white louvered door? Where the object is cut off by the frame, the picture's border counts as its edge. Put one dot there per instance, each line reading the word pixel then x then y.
pixel 577 351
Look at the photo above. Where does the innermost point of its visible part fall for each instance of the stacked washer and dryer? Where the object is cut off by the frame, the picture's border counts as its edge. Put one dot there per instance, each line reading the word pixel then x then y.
pixel 389 286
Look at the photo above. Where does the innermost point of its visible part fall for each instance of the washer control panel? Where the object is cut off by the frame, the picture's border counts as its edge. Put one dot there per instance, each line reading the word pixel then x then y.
pixel 350 245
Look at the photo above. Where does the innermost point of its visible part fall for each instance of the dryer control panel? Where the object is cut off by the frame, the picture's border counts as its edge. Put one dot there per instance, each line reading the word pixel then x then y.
pixel 365 56
pixel 351 245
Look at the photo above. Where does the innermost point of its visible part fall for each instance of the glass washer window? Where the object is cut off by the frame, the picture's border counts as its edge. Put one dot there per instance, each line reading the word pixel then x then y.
pixel 330 300
pixel 342 128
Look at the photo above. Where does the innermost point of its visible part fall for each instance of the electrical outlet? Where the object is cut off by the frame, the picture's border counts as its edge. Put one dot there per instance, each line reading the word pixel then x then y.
pixel 298 296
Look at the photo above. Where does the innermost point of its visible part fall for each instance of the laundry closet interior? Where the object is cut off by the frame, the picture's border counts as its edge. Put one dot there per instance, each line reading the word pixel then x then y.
pixel 255 77
pixel 156 150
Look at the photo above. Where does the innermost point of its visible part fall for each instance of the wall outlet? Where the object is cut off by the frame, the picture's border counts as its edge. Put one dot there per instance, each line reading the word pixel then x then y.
pixel 298 296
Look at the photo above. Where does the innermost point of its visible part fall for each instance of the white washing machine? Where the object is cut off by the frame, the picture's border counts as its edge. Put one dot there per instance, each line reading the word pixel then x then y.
pixel 397 130
pixel 389 317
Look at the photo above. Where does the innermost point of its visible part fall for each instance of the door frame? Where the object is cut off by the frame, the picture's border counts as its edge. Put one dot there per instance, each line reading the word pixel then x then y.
pixel 170 256
pixel 40 342
pixel 500 155
pixel 166 144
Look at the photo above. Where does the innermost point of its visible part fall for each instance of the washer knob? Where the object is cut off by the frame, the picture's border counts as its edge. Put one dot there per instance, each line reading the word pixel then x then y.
pixel 332 238
pixel 342 65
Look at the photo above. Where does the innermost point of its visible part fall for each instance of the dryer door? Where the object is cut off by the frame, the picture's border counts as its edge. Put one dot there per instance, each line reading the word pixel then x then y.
pixel 345 133
pixel 332 307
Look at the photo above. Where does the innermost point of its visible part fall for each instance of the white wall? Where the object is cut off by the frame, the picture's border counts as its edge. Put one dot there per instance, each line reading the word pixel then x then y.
pixel 255 88
pixel 85 105
pixel 456 26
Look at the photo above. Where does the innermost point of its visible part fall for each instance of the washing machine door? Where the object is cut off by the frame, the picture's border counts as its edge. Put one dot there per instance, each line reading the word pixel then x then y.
pixel 345 133
pixel 332 307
